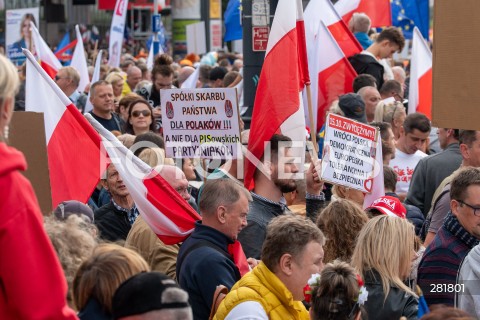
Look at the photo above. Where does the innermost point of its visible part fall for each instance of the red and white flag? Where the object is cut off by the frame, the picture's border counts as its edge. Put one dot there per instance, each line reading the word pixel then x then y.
pixel 331 73
pixel 79 61
pixel 378 11
pixel 420 91
pixel 278 106
pixel 323 10
pixel 378 186
pixel 162 207
pixel 73 146
pixel 48 61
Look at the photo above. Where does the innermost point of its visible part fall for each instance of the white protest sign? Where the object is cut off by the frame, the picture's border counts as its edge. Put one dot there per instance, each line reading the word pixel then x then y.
pixel 200 123
pixel 349 153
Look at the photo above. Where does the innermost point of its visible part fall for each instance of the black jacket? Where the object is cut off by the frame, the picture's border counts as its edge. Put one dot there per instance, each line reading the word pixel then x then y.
pixel 203 263
pixel 414 214
pixel 398 303
pixel 112 223
pixel 364 63
pixel 260 214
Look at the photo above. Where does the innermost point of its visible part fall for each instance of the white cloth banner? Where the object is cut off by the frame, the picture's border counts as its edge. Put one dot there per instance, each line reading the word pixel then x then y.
pixel 116 33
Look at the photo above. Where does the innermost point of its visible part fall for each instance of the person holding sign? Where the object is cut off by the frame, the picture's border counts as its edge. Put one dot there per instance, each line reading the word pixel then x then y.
pixel 273 177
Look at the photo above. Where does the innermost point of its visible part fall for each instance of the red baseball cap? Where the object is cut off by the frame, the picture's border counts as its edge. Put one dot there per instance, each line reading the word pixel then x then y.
pixel 390 206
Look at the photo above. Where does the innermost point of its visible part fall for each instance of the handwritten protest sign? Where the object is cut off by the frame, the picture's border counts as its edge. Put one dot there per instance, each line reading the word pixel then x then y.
pixel 349 153
pixel 200 123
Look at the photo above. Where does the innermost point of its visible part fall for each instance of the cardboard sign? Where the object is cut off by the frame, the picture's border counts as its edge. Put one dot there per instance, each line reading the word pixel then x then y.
pixel 349 153
pixel 27 134
pixel 456 71
pixel 200 123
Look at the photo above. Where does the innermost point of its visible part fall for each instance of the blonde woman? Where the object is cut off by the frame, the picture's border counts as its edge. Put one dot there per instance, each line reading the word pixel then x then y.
pixel 383 257
pixel 393 113
pixel 100 275
pixel 117 80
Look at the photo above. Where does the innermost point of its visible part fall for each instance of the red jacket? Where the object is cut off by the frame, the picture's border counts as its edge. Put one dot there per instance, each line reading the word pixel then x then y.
pixel 32 284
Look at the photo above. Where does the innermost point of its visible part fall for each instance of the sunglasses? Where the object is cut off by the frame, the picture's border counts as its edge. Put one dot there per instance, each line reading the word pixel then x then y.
pixel 137 113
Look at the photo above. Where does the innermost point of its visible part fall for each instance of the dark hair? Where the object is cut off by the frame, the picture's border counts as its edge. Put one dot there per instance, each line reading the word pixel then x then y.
pixel 336 294
pixel 364 80
pixel 127 100
pixel 384 133
pixel 389 178
pixel 462 180
pixel 467 137
pixel 162 66
pixel 394 35
pixel 128 127
pixel 417 121
pixel 390 86
pixel 217 73
pixel 149 137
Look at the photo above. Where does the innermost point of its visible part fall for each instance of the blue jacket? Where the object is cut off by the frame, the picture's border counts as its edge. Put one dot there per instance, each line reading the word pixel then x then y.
pixel 204 268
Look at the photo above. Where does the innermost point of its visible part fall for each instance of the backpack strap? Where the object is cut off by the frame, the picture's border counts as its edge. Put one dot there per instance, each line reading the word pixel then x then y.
pixel 220 292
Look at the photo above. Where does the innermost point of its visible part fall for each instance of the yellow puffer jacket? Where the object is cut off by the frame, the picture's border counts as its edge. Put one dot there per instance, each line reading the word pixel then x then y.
pixel 262 286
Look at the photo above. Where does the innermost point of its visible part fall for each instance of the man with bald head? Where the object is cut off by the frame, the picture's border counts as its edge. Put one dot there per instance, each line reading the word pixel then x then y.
pixel 183 74
pixel 141 238
pixel 134 76
pixel 371 97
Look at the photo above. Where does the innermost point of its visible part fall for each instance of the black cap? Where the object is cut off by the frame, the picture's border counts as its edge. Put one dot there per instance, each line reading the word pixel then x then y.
pixel 145 292
pixel 353 107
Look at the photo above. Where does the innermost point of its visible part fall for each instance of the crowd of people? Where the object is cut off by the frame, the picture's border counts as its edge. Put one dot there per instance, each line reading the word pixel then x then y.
pixel 313 251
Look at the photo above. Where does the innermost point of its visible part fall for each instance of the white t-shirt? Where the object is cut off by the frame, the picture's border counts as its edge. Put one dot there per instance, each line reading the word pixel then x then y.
pixel 249 310
pixel 404 165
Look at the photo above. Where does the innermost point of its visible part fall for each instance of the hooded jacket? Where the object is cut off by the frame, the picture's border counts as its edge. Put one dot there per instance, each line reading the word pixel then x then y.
pixel 365 63
pixel 32 284
pixel 468 297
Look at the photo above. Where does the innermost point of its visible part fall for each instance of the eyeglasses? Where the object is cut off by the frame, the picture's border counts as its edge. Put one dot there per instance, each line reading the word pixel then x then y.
pixel 476 210
pixel 145 113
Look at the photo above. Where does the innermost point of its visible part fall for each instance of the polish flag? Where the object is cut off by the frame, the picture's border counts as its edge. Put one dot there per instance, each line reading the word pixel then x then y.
pixel 323 10
pixel 378 11
pixel 48 61
pixel 79 61
pixel 331 73
pixel 278 106
pixel 420 92
pixel 163 209
pixel 73 146
pixel 378 186
pixel 95 78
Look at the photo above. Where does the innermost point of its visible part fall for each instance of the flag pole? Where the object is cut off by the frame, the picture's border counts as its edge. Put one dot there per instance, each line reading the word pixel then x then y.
pixel 313 130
